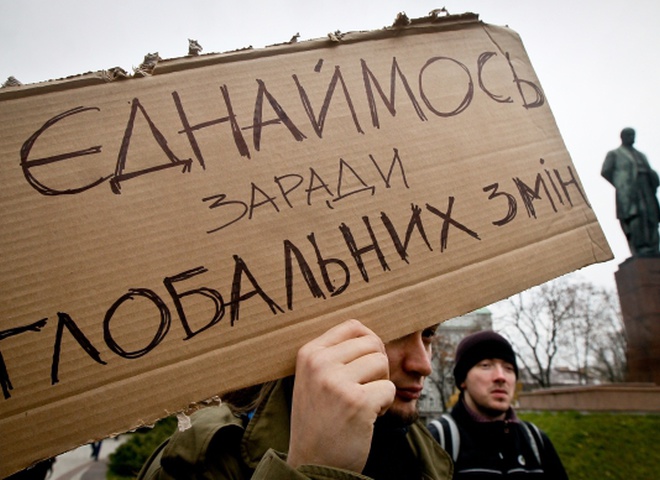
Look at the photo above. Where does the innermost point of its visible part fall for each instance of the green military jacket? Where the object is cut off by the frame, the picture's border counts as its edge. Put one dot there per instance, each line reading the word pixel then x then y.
pixel 219 446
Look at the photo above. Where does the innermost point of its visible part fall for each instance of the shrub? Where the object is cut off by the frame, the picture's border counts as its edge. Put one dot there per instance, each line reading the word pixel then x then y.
pixel 127 460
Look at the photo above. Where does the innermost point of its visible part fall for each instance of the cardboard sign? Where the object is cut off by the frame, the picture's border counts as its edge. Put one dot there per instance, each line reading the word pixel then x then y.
pixel 172 237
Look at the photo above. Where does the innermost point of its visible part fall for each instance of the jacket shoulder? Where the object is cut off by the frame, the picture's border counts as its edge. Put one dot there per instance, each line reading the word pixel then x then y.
pixel 435 461
pixel 186 452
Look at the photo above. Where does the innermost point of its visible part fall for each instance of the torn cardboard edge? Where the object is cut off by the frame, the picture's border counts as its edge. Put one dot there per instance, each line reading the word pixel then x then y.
pixel 508 264
pixel 13 88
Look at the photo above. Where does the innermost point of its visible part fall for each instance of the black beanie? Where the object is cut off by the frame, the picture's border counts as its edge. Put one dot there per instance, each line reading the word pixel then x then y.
pixel 477 347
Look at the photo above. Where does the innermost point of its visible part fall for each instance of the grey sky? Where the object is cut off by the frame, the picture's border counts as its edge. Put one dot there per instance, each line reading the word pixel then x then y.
pixel 596 59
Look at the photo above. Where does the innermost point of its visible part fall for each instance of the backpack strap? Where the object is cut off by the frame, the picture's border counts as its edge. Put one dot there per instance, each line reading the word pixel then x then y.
pixel 534 438
pixel 446 433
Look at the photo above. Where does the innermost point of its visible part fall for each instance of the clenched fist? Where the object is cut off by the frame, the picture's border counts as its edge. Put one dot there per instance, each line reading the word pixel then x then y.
pixel 341 386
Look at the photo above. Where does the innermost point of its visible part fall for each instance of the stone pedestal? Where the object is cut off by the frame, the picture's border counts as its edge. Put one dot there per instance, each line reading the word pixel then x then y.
pixel 614 397
pixel 638 283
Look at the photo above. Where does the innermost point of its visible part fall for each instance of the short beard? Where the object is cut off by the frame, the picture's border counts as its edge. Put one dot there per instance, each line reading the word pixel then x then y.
pixel 395 419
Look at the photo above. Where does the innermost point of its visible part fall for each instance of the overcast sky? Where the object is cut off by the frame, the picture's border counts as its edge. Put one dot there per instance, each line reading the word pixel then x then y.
pixel 597 60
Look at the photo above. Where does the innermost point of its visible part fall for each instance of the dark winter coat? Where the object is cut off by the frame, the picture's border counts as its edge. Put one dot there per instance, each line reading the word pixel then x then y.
pixel 501 449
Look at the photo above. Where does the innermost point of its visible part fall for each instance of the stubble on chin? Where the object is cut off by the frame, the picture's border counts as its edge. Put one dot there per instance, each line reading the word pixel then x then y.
pixel 401 417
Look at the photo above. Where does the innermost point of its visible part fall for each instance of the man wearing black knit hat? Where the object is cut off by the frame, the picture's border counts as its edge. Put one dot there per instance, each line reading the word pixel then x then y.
pixel 483 434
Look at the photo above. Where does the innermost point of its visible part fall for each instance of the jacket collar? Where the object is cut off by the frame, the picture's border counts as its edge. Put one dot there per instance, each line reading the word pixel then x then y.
pixel 269 426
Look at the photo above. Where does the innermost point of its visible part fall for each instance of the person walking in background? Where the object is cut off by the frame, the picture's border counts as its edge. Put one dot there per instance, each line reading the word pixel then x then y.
pixel 483 434
pixel 96 449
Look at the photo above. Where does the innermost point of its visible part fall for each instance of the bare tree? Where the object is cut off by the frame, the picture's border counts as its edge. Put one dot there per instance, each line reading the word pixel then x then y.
pixel 597 337
pixel 581 329
pixel 537 318
pixel 610 347
pixel 567 321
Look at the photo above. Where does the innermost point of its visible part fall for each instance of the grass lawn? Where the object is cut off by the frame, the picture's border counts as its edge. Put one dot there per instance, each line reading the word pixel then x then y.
pixel 601 445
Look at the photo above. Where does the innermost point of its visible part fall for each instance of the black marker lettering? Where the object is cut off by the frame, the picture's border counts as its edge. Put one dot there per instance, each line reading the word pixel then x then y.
pixel 369 78
pixel 396 160
pixel 287 191
pixel 27 164
pixel 357 253
pixel 64 320
pixel 345 166
pixel 469 88
pixel 220 200
pixel 174 161
pixel 163 324
pixel 258 123
pixel 241 269
pixel 291 250
pixel 5 382
pixel 312 187
pixel 415 222
pixel 266 200
pixel 512 204
pixel 540 97
pixel 324 262
pixel 528 195
pixel 448 220
pixel 573 181
pixel 481 62
pixel 190 130
pixel 213 295
pixel 319 124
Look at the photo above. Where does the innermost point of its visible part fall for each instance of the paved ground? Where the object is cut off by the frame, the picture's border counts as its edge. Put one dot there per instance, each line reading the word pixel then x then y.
pixel 79 465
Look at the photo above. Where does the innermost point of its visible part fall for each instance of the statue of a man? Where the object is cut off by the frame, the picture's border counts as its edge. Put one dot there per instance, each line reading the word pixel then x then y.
pixel 636 184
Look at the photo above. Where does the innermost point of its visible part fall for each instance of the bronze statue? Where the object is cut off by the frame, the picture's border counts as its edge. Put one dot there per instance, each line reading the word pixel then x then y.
pixel 636 184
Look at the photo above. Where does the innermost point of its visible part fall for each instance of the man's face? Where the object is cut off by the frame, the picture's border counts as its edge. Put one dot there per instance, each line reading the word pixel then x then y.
pixel 410 363
pixel 489 387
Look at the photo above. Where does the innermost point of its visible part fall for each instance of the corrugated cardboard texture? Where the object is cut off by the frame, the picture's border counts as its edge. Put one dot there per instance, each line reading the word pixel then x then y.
pixel 169 238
